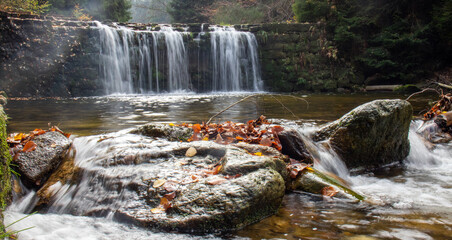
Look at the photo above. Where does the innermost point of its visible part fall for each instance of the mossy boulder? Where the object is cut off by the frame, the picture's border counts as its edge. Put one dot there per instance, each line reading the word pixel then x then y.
pixel 5 175
pixel 371 135
pixel 36 166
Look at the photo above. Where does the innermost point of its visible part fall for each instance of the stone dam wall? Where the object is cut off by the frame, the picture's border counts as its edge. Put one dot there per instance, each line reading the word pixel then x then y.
pixel 44 57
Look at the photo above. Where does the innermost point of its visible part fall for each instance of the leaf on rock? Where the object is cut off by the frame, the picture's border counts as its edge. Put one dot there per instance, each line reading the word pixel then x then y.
pixel 158 183
pixel 216 181
pixel 329 191
pixel 170 186
pixel 165 203
pixel 157 210
pixel 29 147
pixel 170 196
pixel 38 132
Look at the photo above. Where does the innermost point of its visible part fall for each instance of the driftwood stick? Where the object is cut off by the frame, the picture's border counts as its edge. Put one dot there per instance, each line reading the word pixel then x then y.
pixel 230 106
pixel 257 95
pixel 425 90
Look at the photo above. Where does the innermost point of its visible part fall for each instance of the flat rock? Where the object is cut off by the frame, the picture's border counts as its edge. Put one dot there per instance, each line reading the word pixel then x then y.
pixel 36 166
pixel 126 176
pixel 371 135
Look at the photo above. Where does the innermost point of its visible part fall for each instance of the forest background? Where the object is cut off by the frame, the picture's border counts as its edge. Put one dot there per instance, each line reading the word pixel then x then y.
pixel 386 41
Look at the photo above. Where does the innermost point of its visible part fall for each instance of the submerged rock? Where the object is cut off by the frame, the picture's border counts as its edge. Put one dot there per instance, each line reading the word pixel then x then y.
pixel 371 135
pixel 36 166
pixel 154 183
pixel 171 133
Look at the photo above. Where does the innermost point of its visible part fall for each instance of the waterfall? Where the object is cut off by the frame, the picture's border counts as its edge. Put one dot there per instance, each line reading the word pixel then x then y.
pixel 178 77
pixel 235 60
pixel 155 61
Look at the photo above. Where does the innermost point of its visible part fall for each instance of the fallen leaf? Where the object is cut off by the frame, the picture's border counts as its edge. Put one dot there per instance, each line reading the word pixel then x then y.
pixel 170 196
pixel 157 210
pixel 170 186
pixel 191 152
pixel 158 183
pixel 229 177
pixel 216 181
pixel 18 137
pixel 329 191
pixel 165 203
pixel 29 147
pixel 38 132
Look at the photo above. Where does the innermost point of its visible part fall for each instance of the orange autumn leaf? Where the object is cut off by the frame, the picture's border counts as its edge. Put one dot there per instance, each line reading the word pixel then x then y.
pixel 19 137
pixel 38 132
pixel 29 147
pixel 165 203
pixel 170 196
pixel 329 191
pixel 157 210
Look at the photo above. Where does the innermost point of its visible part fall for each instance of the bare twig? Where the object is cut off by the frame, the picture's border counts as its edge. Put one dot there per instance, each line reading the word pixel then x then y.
pixel 284 106
pixel 232 105
pixel 444 85
pixel 425 90
pixel 257 95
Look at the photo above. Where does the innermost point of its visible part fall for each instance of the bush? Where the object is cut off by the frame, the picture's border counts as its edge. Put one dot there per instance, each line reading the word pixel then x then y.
pixel 311 10
pixel 29 6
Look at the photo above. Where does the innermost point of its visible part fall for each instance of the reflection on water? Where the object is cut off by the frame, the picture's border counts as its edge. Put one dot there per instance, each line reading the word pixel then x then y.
pixel 412 201
pixel 86 116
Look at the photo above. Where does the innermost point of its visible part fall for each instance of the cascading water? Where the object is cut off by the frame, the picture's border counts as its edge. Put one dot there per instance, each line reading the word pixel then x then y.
pixel 178 77
pixel 235 60
pixel 158 61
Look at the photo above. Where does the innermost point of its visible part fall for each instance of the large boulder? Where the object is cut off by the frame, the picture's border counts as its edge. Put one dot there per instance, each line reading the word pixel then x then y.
pixel 171 185
pixel 37 165
pixel 371 135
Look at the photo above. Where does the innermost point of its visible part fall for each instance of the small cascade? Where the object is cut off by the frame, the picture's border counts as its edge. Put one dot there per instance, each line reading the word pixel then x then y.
pixel 235 60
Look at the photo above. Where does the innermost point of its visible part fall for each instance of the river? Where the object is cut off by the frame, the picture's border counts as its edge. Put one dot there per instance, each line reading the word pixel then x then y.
pixel 411 201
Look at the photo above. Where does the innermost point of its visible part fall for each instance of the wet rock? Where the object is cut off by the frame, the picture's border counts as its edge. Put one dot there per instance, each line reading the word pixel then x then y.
pixel 127 176
pixel 171 133
pixel 294 146
pixel 36 166
pixel 371 135
pixel 316 182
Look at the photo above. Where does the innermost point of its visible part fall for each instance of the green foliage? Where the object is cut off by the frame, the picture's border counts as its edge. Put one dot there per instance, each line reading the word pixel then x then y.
pixel 188 11
pixel 29 6
pixel 117 10
pixel 388 41
pixel 237 14
pixel 102 10
pixel 311 10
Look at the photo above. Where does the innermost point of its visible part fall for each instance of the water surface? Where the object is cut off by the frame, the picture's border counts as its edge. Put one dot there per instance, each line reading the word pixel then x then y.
pixel 411 201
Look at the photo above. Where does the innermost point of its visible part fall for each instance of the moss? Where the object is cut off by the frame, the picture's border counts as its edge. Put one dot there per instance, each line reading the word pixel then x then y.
pixel 5 174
